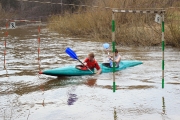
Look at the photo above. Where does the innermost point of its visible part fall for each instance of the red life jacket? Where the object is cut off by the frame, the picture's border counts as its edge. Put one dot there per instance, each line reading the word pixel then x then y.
pixel 92 64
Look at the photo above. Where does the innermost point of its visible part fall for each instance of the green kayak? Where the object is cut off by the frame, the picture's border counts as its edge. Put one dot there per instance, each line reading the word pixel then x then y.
pixel 73 71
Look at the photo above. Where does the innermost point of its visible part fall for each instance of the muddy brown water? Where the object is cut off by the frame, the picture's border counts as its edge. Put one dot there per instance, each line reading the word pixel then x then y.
pixel 26 95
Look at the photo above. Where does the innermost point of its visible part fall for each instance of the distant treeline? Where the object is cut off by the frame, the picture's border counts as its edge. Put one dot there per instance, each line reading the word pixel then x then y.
pixel 34 8
pixel 8 5
pixel 30 8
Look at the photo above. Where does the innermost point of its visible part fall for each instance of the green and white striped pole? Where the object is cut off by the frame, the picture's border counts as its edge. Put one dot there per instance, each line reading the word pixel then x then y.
pixel 113 49
pixel 163 50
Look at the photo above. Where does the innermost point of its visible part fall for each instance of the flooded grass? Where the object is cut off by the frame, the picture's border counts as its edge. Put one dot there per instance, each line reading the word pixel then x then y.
pixel 140 87
pixel 173 83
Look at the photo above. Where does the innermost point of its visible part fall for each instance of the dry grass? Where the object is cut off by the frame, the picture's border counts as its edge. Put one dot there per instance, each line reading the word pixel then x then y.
pixel 174 26
pixel 131 29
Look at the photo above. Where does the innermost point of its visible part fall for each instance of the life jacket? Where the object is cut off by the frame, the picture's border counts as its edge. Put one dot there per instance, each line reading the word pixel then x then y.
pixel 111 62
pixel 92 64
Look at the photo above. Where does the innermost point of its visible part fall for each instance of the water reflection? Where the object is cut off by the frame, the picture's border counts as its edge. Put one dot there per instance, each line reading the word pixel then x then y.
pixel 72 97
pixel 43 103
pixel 163 109
pixel 91 82
pixel 25 88
pixel 6 73
pixel 115 114
pixel 41 87
pixel 50 83
pixel 163 106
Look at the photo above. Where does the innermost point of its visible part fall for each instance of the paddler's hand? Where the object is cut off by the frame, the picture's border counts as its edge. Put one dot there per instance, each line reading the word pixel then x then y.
pixel 98 72
pixel 110 57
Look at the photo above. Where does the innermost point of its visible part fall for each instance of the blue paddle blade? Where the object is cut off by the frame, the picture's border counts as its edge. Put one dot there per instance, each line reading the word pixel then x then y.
pixel 71 53
pixel 106 45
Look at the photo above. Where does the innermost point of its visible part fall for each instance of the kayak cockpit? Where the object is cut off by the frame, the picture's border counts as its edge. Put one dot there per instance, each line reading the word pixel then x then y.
pixel 108 65
pixel 84 68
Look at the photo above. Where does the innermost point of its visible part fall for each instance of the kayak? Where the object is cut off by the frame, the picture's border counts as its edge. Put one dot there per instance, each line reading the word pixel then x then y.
pixel 73 71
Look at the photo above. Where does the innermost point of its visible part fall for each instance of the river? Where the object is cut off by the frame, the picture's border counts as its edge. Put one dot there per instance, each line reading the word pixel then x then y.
pixel 26 95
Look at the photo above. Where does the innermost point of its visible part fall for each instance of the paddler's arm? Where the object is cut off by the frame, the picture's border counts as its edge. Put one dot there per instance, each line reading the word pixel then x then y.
pixel 99 72
pixel 118 59
pixel 85 62
pixel 107 51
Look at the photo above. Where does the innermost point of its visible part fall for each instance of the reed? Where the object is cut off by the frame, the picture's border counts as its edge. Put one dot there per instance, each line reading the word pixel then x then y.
pixel 131 29
pixel 174 26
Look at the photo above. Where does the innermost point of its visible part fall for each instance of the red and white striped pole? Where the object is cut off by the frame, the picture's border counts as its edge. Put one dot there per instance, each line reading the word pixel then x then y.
pixel 39 30
pixel 6 35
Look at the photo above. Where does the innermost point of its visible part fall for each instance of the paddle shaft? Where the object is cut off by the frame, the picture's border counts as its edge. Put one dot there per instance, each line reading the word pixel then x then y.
pixel 85 65
pixel 106 46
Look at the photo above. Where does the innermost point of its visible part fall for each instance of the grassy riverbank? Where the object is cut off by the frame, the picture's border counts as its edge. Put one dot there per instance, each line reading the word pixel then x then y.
pixel 131 29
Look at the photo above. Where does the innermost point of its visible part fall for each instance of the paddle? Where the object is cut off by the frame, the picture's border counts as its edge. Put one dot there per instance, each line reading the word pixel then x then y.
pixel 73 55
pixel 106 45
